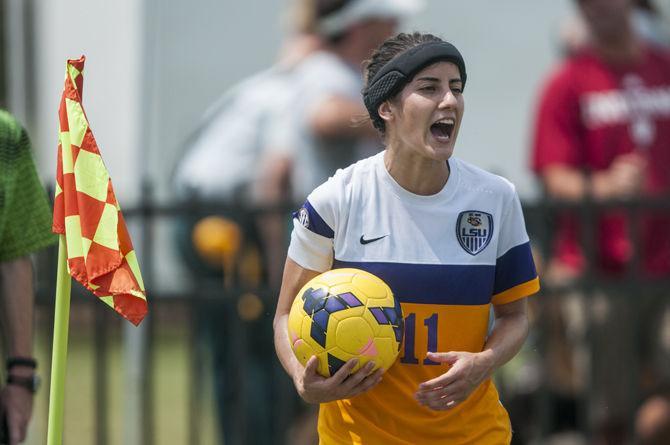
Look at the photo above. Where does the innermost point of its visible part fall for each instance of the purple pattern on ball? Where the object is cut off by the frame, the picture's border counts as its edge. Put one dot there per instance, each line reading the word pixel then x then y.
pixel 379 315
pixel 350 299
pixel 334 304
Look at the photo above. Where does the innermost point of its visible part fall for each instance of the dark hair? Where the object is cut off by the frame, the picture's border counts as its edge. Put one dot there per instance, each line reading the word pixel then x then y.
pixel 390 48
pixel 327 7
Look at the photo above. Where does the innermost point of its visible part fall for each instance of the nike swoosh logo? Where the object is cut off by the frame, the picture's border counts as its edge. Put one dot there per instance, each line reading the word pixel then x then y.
pixel 368 241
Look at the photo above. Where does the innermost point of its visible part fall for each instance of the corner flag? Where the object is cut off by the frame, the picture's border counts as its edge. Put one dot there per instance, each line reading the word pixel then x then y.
pixel 100 253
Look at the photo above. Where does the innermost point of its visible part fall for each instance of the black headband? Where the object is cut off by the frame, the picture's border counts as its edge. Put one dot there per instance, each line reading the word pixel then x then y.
pixel 400 70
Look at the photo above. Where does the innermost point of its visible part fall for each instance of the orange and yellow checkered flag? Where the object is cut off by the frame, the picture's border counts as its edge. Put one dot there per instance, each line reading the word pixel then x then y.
pixel 100 254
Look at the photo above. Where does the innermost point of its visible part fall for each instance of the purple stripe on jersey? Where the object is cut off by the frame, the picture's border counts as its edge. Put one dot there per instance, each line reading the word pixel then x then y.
pixel 432 283
pixel 515 267
pixel 310 218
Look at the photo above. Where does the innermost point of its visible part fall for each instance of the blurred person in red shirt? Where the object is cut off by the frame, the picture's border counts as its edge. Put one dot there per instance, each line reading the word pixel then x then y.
pixel 603 133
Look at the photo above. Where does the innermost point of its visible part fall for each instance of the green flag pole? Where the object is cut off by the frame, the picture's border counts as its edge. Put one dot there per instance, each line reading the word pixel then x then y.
pixel 59 353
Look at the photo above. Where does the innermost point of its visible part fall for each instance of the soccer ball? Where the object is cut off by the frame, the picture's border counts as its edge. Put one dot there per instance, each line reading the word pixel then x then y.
pixel 344 314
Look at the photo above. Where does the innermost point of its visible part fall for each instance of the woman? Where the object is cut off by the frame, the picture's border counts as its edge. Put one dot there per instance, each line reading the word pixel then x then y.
pixel 447 237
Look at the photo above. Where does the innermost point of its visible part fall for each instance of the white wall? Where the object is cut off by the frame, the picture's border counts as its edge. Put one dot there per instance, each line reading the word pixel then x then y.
pixel 110 35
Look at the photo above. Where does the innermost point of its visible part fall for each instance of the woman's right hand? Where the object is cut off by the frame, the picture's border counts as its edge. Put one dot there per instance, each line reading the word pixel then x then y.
pixel 314 388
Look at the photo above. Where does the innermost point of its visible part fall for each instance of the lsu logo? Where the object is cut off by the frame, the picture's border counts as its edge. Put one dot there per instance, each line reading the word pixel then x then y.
pixel 303 217
pixel 474 230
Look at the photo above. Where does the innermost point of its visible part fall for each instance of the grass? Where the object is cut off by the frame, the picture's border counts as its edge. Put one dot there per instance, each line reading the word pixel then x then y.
pixel 170 381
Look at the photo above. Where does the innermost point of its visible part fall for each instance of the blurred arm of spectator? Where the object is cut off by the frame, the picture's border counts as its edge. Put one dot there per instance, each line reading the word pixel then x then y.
pixel 622 180
pixel 334 117
pixel 17 318
pixel 560 153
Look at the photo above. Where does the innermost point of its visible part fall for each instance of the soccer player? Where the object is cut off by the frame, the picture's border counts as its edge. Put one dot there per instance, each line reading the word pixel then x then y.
pixel 450 241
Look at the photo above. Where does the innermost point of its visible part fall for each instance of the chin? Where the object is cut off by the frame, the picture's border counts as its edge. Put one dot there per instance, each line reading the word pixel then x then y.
pixel 440 153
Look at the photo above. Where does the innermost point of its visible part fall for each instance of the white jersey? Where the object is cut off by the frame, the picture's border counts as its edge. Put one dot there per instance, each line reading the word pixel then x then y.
pixel 446 257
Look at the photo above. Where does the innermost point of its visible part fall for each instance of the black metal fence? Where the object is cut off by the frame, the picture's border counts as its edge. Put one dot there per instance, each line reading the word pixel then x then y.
pixel 256 400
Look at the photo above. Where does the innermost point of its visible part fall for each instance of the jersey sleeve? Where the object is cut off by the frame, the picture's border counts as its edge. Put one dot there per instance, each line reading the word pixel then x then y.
pixel 24 209
pixel 314 227
pixel 556 139
pixel 515 275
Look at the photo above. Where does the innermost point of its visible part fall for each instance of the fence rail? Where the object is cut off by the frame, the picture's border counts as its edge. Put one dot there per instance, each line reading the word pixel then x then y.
pixel 259 399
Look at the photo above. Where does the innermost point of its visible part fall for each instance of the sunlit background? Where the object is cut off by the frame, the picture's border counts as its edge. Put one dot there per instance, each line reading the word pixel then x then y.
pixel 153 68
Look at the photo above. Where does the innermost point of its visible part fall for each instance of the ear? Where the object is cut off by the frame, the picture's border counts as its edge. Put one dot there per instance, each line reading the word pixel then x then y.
pixel 385 111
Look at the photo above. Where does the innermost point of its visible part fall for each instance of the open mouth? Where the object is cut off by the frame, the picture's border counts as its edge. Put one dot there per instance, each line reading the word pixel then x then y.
pixel 442 129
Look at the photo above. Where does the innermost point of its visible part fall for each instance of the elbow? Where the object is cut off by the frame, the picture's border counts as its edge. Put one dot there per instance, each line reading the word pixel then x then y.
pixel 324 127
pixel 279 322
pixel 276 323
pixel 523 325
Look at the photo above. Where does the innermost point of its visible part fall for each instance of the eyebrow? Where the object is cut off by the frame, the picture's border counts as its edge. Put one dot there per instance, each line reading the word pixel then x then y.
pixel 435 79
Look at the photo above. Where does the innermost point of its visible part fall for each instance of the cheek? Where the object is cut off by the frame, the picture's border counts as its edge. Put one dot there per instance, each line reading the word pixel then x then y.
pixel 416 128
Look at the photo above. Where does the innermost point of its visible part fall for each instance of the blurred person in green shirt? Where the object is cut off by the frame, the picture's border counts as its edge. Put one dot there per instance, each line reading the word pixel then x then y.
pixel 25 227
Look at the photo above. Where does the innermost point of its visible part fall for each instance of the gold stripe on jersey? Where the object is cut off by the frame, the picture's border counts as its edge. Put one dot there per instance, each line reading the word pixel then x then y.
pixel 517 292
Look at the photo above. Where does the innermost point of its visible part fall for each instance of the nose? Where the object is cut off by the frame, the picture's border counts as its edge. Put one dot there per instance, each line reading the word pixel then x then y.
pixel 449 100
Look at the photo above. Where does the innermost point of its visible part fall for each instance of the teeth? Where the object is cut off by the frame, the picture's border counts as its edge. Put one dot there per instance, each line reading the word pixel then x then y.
pixel 449 121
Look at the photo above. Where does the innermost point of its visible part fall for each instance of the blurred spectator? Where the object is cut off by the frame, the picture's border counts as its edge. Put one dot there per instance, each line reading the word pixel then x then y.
pixel 25 226
pixel 602 133
pixel 317 133
pixel 222 155
pixel 220 164
pixel 648 23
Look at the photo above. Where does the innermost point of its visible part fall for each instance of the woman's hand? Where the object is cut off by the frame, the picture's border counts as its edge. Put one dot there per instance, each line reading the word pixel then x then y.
pixel 314 388
pixel 468 370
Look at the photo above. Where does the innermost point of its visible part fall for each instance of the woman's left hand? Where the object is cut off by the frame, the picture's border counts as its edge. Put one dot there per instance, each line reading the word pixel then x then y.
pixel 468 370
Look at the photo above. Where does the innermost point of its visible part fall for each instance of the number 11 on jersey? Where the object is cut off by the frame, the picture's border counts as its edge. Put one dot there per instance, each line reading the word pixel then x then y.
pixel 409 353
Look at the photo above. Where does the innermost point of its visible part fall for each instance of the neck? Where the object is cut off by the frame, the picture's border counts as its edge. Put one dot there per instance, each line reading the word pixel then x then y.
pixel 415 173
pixel 624 47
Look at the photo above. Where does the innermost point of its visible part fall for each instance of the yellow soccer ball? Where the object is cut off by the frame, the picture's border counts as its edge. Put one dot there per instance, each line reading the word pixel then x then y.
pixel 344 314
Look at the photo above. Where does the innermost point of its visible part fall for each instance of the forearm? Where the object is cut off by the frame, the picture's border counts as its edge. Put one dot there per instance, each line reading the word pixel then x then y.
pixel 341 118
pixel 295 276
pixel 17 305
pixel 283 347
pixel 508 335
pixel 570 184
